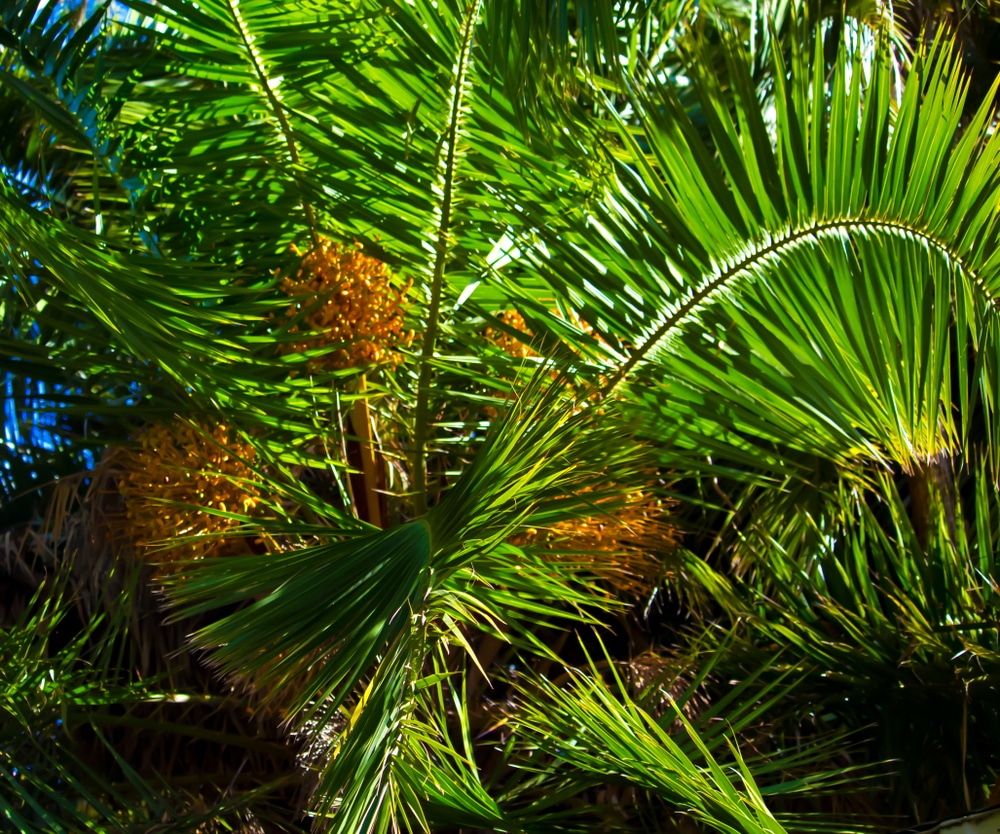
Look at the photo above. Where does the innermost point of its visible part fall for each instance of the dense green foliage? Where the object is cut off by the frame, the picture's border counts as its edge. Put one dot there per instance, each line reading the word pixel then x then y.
pixel 497 416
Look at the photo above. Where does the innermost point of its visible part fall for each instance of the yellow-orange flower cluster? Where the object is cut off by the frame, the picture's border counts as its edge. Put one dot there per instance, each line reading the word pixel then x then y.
pixel 349 301
pixel 519 349
pixel 505 341
pixel 184 464
pixel 625 547
pixel 509 344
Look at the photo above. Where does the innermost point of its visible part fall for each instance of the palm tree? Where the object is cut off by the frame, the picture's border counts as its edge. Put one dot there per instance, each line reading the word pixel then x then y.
pixel 539 418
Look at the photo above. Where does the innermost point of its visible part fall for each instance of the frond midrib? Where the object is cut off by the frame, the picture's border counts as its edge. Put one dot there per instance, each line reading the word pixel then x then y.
pixel 774 245
pixel 442 250
pixel 265 82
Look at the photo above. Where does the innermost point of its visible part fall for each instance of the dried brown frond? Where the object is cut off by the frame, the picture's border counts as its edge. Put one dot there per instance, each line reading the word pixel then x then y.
pixel 661 680
pixel 349 299
pixel 209 743
pixel 72 532
pixel 22 568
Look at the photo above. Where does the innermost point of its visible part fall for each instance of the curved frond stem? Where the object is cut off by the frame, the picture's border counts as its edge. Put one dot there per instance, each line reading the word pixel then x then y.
pixel 442 250
pixel 276 107
pixel 711 285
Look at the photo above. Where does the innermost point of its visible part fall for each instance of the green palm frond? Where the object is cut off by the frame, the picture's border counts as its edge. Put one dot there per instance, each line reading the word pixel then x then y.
pixel 440 785
pixel 741 265
pixel 876 611
pixel 553 460
pixel 581 725
pixel 700 242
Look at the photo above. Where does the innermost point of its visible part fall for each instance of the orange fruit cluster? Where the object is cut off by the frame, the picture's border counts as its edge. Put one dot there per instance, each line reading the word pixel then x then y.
pixel 625 547
pixel 359 309
pixel 179 464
